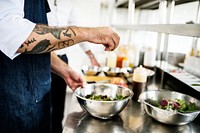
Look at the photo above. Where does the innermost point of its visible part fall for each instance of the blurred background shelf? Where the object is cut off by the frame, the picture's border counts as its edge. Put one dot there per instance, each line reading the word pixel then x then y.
pixel 147 4
pixel 164 29
pixel 176 29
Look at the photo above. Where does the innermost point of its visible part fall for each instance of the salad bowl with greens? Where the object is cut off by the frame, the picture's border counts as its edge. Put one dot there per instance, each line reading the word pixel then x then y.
pixel 170 107
pixel 103 100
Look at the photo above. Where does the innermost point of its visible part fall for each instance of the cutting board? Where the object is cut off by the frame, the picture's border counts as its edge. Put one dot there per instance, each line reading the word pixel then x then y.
pixel 100 78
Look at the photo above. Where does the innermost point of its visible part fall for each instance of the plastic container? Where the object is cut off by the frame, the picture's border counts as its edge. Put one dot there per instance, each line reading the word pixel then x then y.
pixel 139 81
pixel 136 55
pixel 149 57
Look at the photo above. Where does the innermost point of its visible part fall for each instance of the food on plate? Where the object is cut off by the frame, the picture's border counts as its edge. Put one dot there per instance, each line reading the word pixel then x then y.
pixel 173 105
pixel 104 97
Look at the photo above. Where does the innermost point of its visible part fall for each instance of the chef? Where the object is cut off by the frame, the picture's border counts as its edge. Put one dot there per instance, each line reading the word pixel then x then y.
pixel 26 59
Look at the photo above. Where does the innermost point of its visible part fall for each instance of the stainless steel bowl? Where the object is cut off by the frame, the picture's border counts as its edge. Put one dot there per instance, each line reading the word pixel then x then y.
pixel 90 70
pixel 103 109
pixel 168 117
pixel 127 73
pixel 111 71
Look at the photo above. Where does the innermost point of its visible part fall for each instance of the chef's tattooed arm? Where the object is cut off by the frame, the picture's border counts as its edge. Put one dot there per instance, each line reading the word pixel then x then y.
pixel 45 38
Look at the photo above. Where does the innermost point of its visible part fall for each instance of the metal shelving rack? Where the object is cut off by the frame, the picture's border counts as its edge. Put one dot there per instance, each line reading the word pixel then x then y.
pixel 163 28
pixel 176 29
pixel 147 4
pixel 192 30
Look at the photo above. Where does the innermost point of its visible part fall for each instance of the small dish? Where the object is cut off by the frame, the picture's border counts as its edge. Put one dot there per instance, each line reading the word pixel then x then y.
pixel 90 70
pixel 111 71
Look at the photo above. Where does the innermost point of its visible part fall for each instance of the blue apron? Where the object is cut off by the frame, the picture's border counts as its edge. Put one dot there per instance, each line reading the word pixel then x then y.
pixel 25 84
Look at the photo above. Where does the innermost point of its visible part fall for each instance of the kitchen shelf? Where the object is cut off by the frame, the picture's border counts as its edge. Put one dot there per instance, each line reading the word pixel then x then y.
pixel 192 30
pixel 121 3
pixel 147 4
pixel 166 78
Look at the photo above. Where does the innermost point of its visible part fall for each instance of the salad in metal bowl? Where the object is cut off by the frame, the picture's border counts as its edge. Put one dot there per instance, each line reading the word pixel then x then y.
pixel 173 105
pixel 170 107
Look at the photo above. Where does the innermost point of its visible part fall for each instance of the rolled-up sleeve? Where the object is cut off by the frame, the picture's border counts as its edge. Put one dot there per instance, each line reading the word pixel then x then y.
pixel 14 29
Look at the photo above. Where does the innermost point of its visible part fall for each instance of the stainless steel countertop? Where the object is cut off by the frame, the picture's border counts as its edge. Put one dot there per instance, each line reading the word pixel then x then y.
pixel 132 119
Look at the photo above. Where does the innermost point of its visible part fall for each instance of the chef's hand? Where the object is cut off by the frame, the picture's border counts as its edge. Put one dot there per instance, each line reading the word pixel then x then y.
pixel 102 35
pixel 73 79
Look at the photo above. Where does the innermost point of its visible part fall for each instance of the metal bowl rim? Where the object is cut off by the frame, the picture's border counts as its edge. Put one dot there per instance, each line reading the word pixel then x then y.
pixel 99 69
pixel 106 69
pixel 129 97
pixel 147 104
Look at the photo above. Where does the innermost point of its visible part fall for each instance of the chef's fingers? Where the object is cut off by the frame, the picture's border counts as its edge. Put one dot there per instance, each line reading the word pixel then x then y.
pixel 116 40
pixel 113 42
pixel 110 45
pixel 80 82
pixel 83 83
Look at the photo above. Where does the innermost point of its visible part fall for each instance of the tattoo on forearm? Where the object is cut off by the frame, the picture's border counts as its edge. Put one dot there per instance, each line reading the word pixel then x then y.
pixel 66 43
pixel 61 45
pixel 40 47
pixel 27 43
pixel 56 32
pixel 45 45
pixel 30 41
pixel 43 29
pixel 66 33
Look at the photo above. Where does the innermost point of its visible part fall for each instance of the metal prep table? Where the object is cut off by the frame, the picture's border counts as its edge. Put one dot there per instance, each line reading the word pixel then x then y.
pixel 132 119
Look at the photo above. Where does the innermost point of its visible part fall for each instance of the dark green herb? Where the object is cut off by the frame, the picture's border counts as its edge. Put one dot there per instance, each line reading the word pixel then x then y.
pixel 104 97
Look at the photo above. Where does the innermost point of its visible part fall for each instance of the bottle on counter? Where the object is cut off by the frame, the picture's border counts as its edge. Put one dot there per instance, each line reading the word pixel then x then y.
pixel 120 55
pixel 149 57
pixel 111 59
pixel 131 57
pixel 125 62
pixel 136 52
pixel 139 81
pixel 192 52
pixel 119 60
pixel 198 53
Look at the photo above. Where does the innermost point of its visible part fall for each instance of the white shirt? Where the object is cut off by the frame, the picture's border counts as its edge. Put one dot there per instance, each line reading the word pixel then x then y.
pixel 14 29
pixel 63 14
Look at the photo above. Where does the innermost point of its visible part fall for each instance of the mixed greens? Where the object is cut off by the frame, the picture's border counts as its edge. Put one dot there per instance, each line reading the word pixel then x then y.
pixel 104 97
pixel 177 105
